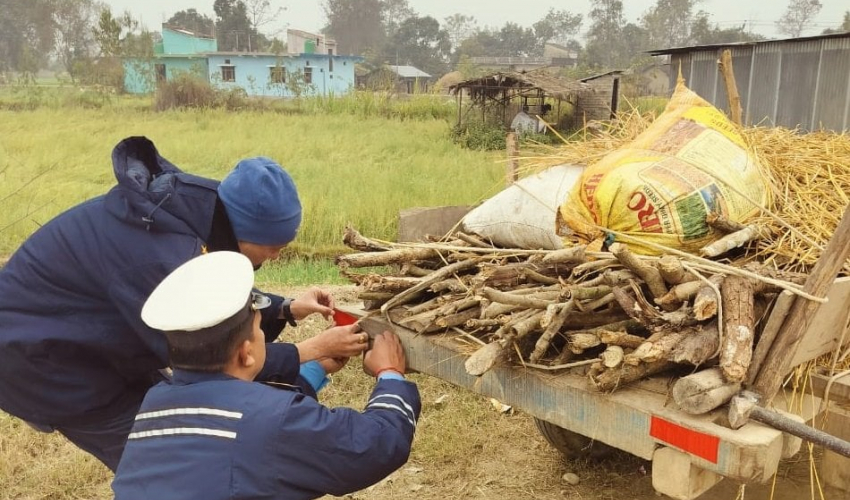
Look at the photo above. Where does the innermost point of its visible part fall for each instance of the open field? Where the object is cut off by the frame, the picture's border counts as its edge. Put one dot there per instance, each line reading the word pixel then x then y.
pixel 348 167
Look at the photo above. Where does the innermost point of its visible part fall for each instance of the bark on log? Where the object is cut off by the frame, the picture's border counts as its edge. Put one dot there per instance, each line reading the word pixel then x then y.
pixel 537 301
pixel 680 293
pixel 650 274
pixel 560 317
pixel 436 276
pixel 733 241
pixel 672 271
pixel 353 239
pixel 722 223
pixel 620 338
pixel 611 379
pixel 698 347
pixel 580 342
pixel 658 347
pixel 739 327
pixel 456 319
pixel 389 284
pixel 374 259
pixel 572 255
pixel 375 296
pixel 701 392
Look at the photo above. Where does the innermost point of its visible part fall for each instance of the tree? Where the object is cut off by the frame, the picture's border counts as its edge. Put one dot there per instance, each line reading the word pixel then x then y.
pixel 517 41
pixel 797 17
pixel 605 46
pixel 559 26
pixel 192 20
pixel 845 25
pixel 420 42
pixel 27 34
pixel 233 28
pixel 668 22
pixel 705 33
pixel 74 20
pixel 395 13
pixel 356 25
pixel 261 13
pixel 459 27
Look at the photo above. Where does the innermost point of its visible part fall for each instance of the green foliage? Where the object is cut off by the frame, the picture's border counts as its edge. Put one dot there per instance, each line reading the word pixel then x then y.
pixel 27 34
pixel 192 20
pixel 478 136
pixel 188 90
pixel 356 25
pixel 798 16
pixel 348 168
pixel 233 28
pixel 558 26
pixel 422 43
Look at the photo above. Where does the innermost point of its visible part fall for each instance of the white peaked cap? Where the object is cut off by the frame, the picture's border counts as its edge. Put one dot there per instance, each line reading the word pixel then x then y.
pixel 201 293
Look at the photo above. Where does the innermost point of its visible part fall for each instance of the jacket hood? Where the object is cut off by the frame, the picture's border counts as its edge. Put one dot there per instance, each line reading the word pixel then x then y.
pixel 153 193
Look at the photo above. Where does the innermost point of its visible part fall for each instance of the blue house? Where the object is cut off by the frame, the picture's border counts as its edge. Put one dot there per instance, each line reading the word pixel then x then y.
pixel 310 66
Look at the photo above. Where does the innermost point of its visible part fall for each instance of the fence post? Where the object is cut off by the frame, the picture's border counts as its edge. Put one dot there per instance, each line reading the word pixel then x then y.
pixel 512 168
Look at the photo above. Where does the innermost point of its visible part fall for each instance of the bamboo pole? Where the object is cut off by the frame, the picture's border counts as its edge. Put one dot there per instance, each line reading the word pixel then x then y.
pixel 731 87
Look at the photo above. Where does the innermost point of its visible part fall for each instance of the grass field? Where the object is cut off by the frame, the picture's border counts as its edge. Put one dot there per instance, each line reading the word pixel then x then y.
pixel 347 168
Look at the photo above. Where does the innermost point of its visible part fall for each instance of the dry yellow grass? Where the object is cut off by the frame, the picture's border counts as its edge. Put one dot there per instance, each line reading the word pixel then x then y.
pixel 810 175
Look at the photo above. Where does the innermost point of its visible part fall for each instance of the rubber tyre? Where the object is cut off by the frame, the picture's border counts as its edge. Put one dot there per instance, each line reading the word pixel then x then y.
pixel 572 445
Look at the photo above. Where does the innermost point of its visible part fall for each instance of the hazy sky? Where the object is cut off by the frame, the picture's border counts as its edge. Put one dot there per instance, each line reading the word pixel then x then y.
pixel 308 14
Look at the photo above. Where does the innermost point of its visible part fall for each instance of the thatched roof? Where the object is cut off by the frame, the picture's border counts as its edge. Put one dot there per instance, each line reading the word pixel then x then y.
pixel 492 85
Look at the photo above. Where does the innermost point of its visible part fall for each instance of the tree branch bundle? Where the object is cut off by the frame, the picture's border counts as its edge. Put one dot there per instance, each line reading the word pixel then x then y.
pixel 634 315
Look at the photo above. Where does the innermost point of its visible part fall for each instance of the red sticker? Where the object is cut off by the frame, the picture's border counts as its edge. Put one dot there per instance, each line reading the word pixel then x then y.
pixel 697 443
pixel 343 319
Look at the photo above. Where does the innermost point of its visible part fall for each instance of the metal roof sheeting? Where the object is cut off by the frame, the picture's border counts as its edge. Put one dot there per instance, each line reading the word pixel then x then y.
pixel 802 82
pixel 409 72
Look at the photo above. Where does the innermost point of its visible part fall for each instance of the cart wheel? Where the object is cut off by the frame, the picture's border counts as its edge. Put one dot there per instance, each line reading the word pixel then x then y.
pixel 571 444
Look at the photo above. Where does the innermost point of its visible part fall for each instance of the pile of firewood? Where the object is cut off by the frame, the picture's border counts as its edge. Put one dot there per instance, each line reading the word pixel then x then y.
pixel 615 315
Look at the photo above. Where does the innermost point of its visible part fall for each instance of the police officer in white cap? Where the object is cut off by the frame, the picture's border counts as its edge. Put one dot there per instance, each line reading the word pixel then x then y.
pixel 213 433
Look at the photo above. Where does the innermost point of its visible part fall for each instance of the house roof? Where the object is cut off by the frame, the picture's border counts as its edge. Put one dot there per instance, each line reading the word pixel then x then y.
pixel 494 83
pixel 714 46
pixel 408 71
pixel 600 75
pixel 184 31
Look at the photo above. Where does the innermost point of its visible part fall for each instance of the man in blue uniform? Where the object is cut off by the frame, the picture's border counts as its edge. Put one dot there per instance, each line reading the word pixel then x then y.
pixel 212 433
pixel 75 355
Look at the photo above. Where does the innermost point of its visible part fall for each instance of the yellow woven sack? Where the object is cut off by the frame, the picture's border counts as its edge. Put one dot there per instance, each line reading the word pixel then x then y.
pixel 660 187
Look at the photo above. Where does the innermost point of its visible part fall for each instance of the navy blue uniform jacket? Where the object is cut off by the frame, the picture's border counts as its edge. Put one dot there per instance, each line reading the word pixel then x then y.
pixel 215 437
pixel 71 336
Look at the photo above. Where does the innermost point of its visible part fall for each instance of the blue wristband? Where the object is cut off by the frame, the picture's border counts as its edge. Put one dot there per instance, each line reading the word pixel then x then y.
pixel 314 374
pixel 390 376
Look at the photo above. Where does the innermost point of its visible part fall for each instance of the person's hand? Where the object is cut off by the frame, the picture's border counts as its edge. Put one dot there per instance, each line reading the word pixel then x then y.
pixel 386 353
pixel 336 342
pixel 314 300
pixel 333 365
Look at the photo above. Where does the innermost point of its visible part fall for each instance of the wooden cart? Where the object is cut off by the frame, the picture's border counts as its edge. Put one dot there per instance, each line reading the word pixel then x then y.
pixel 690 453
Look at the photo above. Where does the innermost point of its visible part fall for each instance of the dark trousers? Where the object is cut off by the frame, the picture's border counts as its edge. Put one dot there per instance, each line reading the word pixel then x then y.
pixel 105 435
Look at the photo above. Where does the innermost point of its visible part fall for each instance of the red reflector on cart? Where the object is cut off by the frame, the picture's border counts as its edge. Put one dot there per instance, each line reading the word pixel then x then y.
pixel 696 443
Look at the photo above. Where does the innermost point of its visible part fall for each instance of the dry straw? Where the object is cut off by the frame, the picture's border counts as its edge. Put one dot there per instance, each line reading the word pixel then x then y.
pixel 809 172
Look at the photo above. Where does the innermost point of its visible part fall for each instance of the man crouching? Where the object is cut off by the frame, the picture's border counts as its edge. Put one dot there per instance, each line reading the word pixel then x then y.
pixel 211 432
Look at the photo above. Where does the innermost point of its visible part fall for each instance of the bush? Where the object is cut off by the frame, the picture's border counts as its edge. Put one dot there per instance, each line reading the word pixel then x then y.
pixel 479 136
pixel 184 91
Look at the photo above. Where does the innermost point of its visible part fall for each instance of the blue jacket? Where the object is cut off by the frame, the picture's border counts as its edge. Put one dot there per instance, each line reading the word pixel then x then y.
pixel 215 437
pixel 71 336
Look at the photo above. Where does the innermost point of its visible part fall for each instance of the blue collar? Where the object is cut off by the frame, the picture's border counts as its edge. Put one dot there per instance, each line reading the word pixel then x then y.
pixel 185 377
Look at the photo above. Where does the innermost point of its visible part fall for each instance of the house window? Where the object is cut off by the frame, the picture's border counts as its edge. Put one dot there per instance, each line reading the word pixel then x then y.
pixel 277 74
pixel 330 60
pixel 308 75
pixel 160 73
pixel 228 73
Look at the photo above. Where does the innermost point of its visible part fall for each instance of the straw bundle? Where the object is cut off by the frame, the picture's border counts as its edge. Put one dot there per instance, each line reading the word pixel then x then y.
pixel 810 175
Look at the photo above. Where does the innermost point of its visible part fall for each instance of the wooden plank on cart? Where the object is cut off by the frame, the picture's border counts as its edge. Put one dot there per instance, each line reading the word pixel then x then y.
pixel 635 419
pixel 825 330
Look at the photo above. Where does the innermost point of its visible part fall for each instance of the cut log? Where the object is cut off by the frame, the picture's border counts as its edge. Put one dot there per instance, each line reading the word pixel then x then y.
pixel 612 357
pixel 733 241
pixel 650 274
pixel 374 259
pixel 353 239
pixel 680 293
pixel 611 379
pixel 620 338
pixel 698 347
pixel 722 223
pixel 739 328
pixel 703 391
pixel 672 271
pixel 572 255
pixel 705 301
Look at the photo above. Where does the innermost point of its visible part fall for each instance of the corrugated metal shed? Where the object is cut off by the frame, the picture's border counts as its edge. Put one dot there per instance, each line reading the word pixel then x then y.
pixel 408 72
pixel 798 82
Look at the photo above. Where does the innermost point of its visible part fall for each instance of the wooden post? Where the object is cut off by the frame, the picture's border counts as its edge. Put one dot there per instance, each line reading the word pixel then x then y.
pixel 512 167
pixel 803 311
pixel 459 105
pixel 731 87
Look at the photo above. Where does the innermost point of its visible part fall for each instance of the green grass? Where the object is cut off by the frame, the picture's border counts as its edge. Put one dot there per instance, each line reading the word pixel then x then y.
pixel 348 168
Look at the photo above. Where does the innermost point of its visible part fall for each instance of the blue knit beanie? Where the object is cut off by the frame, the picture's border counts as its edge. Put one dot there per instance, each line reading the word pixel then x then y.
pixel 261 202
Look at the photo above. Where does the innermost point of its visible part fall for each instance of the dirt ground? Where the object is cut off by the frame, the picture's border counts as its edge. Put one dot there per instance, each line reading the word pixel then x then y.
pixel 466 448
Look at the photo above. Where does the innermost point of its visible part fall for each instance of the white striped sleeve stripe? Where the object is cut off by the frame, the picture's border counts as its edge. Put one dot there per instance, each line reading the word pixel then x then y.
pixel 189 411
pixel 392 407
pixel 183 431
pixel 399 398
